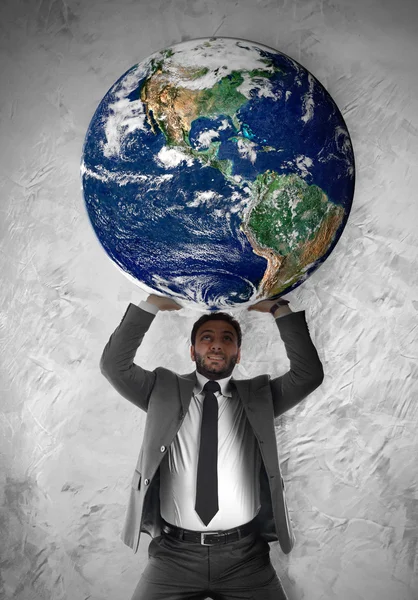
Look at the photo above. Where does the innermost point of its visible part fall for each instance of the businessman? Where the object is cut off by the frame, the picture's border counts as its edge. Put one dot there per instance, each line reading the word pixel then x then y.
pixel 207 487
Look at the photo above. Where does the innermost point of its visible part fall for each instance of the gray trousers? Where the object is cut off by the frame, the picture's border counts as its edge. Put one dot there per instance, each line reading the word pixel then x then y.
pixel 179 570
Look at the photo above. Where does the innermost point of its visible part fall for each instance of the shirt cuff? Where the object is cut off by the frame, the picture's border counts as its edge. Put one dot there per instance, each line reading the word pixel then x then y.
pixel 283 311
pixel 148 307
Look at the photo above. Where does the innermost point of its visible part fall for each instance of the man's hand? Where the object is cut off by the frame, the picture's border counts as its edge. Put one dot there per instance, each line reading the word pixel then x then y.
pixel 265 305
pixel 163 303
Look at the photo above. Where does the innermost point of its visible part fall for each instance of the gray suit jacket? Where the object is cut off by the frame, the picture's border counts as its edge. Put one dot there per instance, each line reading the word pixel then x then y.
pixel 165 396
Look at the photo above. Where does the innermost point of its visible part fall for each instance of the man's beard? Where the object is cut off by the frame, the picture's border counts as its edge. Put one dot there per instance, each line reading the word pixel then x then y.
pixel 210 371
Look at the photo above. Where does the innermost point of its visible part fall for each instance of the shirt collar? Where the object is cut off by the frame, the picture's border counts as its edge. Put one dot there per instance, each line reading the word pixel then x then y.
pixel 226 388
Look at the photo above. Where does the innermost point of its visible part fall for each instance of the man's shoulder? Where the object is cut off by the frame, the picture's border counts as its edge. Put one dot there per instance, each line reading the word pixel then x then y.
pixel 165 379
pixel 253 382
pixel 163 372
pixel 260 380
pixel 168 373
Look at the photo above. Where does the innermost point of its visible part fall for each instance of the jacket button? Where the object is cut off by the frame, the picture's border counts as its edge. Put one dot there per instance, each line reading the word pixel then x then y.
pixel 146 481
pixel 162 449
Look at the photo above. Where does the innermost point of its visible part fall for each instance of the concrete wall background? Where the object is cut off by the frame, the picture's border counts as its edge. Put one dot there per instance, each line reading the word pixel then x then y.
pixel 68 442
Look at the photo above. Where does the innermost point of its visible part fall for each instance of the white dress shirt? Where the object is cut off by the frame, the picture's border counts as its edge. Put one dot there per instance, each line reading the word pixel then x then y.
pixel 239 463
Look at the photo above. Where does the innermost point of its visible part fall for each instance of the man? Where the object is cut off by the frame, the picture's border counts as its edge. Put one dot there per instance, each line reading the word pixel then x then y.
pixel 208 487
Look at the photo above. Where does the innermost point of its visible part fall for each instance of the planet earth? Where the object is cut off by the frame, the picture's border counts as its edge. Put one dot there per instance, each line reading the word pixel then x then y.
pixel 218 172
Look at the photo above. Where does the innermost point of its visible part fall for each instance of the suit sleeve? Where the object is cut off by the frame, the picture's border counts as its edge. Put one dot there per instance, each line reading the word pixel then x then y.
pixel 306 372
pixel 116 363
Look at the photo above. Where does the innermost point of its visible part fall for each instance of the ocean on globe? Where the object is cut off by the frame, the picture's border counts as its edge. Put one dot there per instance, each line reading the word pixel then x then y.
pixel 218 172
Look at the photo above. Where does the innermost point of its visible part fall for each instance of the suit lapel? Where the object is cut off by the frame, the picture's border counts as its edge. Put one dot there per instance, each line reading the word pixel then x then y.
pixel 257 406
pixel 168 418
pixel 186 385
pixel 242 388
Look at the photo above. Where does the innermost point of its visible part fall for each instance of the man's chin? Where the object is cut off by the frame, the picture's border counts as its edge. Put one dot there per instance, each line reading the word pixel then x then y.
pixel 214 372
pixel 211 370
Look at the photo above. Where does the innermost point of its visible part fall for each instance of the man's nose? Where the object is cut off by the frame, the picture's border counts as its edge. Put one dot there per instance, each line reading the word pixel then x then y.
pixel 216 345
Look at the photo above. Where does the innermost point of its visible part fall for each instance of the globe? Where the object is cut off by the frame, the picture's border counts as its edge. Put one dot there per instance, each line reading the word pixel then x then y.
pixel 218 172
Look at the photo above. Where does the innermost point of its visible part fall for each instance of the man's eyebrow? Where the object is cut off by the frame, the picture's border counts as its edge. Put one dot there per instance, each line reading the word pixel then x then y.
pixel 212 331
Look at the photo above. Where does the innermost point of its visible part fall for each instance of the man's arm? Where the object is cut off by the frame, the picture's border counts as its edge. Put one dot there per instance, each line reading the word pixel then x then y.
pixel 306 372
pixel 132 381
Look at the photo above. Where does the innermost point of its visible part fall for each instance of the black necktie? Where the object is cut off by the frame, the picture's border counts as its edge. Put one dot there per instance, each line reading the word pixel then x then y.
pixel 207 468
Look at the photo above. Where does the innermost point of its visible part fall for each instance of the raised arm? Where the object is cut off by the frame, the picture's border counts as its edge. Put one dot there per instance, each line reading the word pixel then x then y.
pixel 132 381
pixel 306 371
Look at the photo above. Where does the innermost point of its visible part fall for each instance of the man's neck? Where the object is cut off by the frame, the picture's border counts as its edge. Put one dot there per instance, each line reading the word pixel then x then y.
pixel 224 382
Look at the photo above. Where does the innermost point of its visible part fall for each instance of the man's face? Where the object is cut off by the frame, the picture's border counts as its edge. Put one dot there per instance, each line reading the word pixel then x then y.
pixel 216 349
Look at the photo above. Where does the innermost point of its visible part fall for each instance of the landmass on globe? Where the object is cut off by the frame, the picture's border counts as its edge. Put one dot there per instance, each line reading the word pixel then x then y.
pixel 212 151
pixel 284 203
pixel 280 204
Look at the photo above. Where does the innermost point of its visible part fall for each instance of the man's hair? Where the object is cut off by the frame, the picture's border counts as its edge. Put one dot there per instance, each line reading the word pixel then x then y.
pixel 218 316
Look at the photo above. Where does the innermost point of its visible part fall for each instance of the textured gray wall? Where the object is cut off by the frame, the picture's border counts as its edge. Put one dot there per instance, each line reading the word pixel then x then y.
pixel 68 441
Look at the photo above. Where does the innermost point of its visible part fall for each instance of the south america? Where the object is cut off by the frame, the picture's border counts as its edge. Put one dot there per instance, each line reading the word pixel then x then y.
pixel 292 225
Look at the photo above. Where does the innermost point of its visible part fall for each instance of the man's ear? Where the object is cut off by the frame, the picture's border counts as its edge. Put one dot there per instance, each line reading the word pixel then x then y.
pixel 239 355
pixel 192 354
